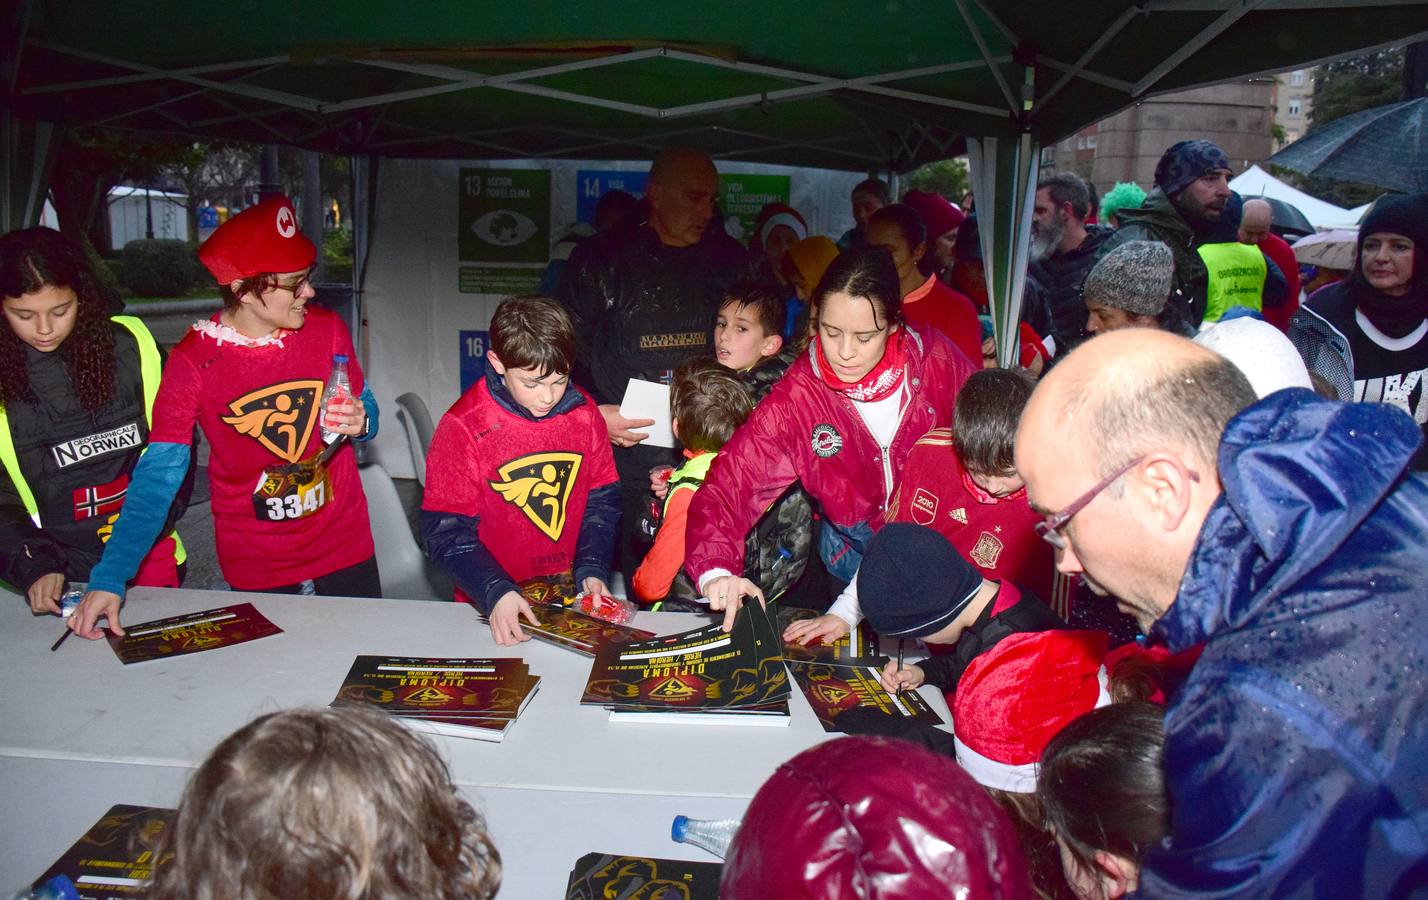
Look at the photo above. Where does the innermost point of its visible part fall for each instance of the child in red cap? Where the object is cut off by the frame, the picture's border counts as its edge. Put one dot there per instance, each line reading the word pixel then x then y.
pixel 252 379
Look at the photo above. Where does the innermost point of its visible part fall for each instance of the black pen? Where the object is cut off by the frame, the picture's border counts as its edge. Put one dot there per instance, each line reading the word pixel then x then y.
pixel 895 671
pixel 56 645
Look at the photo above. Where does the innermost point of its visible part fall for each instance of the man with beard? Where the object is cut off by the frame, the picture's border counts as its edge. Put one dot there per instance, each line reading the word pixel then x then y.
pixel 1063 249
pixel 643 297
pixel 1192 189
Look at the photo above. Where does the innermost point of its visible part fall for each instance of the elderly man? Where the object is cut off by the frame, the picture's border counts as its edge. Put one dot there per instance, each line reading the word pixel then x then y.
pixel 1063 251
pixel 643 298
pixel 1192 189
pixel 1255 223
pixel 1287 537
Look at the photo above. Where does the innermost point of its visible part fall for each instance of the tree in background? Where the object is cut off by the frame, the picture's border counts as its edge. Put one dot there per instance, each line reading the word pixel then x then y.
pixel 1343 88
pixel 947 177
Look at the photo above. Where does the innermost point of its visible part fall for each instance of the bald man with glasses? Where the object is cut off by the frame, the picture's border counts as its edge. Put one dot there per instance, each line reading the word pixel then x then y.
pixel 1287 537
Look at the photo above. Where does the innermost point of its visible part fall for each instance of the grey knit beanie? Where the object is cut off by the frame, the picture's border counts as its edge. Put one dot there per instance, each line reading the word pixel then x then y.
pixel 1135 277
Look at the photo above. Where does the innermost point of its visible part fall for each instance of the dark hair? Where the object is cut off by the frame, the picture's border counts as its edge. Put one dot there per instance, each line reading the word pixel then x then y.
pixel 709 402
pixel 1065 187
pixel 985 417
pixel 32 259
pixel 1184 403
pixel 256 285
pixel 325 803
pixel 875 186
pixel 906 220
pixel 533 333
pixel 866 272
pixel 614 207
pixel 762 300
pixel 1101 784
pixel 1038 844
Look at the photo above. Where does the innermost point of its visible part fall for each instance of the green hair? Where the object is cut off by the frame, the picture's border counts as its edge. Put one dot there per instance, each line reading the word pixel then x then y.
pixel 1125 195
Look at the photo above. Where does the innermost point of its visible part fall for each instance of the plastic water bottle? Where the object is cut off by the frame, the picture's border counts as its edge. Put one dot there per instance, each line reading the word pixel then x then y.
pixel 338 390
pixel 713 835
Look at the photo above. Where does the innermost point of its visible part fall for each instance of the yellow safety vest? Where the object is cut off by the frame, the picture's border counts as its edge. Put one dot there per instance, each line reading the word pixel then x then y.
pixel 1236 277
pixel 151 370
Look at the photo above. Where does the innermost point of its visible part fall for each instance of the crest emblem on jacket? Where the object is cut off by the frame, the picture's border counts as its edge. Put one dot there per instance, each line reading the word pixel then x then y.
pixel 924 506
pixel 539 484
pixel 826 440
pixel 281 417
pixel 986 551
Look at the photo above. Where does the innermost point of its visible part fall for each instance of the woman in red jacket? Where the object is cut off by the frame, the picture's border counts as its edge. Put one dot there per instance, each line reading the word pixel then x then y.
pixel 841 421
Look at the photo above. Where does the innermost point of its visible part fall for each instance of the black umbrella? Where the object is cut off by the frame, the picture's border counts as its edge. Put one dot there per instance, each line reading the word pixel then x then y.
pixel 1385 146
pixel 1287 219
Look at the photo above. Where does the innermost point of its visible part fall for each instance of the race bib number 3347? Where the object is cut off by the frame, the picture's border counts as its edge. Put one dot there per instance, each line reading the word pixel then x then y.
pixel 292 492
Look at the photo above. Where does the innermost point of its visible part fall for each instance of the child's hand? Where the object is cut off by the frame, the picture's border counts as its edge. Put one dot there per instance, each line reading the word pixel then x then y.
pixel 908 678
pixel 506 619
pixel 593 585
pixel 96 605
pixel 727 593
pixel 826 628
pixel 659 481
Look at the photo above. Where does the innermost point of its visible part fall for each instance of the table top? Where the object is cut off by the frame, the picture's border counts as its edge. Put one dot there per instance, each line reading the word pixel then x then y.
pixel 157 720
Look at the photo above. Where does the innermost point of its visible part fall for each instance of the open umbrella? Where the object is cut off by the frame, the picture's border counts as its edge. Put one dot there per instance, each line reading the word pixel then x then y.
pixel 1385 146
pixel 1287 219
pixel 1329 249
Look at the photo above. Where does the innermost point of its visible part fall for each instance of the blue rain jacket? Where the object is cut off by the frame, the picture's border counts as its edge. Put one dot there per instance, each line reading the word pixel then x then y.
pixel 1297 751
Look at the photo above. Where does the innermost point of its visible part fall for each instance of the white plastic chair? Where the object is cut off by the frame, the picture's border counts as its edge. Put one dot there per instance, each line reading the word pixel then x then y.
pixel 416 419
pixel 404 568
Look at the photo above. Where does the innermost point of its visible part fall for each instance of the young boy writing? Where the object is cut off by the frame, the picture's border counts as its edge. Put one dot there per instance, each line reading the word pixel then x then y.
pixel 962 483
pixel 520 478
pixel 707 402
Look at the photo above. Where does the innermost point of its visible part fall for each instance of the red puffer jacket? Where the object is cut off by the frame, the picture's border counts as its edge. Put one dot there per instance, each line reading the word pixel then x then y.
pixel 807 431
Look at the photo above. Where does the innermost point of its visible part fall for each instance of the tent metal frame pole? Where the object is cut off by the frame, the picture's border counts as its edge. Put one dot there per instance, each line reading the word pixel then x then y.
pixel 1090 75
pixel 282 98
pixel 266 62
pixel 152 106
pixel 986 52
pixel 1096 47
pixel 1194 45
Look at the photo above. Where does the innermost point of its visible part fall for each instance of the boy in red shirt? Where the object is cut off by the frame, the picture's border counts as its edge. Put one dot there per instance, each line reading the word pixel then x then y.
pixel 707 403
pixel 962 483
pixel 252 378
pixel 520 480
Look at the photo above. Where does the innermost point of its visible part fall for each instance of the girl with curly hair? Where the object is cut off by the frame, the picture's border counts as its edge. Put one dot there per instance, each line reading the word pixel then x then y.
pixel 341 803
pixel 76 385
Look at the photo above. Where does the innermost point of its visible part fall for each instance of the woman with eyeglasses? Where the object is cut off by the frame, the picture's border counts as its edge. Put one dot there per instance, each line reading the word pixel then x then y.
pixel 74 419
pixel 288 516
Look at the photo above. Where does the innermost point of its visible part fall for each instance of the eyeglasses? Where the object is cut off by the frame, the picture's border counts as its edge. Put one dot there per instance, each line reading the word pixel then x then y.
pixel 1049 528
pixel 296 286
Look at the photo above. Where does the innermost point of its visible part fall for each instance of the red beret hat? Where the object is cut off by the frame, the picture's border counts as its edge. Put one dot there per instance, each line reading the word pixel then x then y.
pixel 262 238
pixel 938 213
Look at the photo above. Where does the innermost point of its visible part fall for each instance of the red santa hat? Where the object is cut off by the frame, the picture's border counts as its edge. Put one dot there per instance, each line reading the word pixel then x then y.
pixel 1014 698
pixel 776 214
pixel 262 238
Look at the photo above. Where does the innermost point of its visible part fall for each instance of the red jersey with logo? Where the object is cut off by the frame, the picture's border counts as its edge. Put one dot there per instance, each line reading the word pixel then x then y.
pixel 526 481
pixel 278 519
pixel 996 533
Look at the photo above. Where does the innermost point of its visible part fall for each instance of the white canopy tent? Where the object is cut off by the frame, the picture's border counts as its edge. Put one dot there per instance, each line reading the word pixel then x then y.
pixel 1256 182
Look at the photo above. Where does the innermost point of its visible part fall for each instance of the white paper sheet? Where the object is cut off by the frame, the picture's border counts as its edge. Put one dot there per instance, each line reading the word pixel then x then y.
pixel 649 400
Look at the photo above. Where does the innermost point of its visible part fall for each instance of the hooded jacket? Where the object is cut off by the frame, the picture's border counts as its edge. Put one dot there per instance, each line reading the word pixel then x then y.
pixel 1296 753
pixel 873 819
pixel 1159 220
pixel 807 431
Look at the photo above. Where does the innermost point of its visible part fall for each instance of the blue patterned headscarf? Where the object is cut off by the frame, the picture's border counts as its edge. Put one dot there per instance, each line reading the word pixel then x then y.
pixel 1186 161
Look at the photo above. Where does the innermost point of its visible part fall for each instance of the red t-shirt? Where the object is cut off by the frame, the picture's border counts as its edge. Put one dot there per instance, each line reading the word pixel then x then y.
pixel 526 481
pixel 1276 249
pixel 937 306
pixel 258 408
pixel 995 533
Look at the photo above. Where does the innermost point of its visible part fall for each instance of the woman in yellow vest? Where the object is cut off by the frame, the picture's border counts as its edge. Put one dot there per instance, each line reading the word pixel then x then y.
pixel 76 388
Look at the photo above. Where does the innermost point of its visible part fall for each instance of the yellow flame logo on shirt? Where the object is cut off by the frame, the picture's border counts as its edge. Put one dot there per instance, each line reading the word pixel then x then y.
pixel 540 484
pixel 280 417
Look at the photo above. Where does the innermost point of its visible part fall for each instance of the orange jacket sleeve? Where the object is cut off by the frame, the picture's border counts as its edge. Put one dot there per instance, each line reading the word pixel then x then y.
pixel 660 567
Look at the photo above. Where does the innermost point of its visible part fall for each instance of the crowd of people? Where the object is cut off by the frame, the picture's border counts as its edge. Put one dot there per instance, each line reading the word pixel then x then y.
pixel 1164 569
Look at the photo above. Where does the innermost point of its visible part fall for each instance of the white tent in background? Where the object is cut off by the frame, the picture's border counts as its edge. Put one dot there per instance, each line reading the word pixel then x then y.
pixel 1256 182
